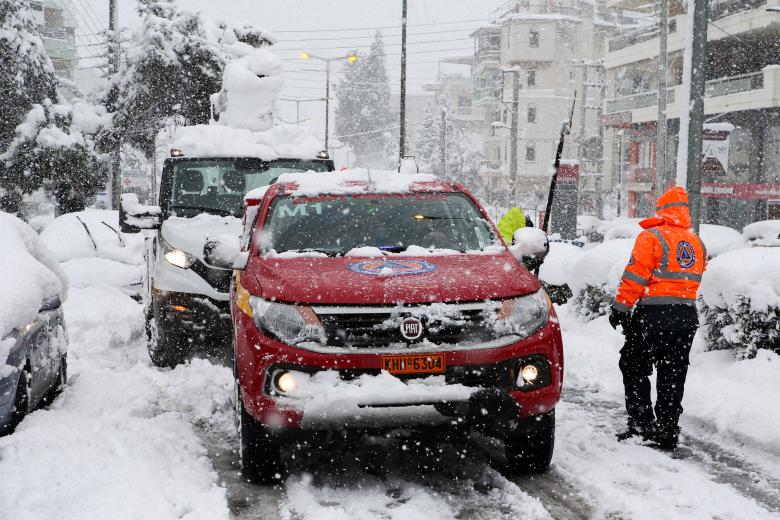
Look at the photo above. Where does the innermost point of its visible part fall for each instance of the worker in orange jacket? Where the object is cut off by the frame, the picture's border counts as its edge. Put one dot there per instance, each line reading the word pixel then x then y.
pixel 660 284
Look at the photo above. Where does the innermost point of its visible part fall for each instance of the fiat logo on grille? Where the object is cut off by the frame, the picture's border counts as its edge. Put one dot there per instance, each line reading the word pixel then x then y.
pixel 411 328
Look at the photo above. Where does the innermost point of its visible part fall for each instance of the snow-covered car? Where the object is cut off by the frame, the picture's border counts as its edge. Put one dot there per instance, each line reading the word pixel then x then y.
pixel 187 300
pixel 91 250
pixel 764 233
pixel 33 343
pixel 381 300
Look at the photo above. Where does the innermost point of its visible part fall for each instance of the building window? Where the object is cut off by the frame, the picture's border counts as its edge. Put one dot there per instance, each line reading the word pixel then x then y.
pixel 530 79
pixel 533 40
pixel 530 153
pixel 532 113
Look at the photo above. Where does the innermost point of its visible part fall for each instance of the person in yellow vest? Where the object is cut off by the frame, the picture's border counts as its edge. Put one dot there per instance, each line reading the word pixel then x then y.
pixel 512 220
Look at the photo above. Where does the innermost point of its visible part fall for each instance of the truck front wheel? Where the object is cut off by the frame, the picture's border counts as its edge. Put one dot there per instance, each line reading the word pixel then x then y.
pixel 530 448
pixel 165 349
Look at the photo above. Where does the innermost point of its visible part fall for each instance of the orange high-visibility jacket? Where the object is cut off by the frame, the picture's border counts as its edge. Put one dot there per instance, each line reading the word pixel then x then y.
pixel 668 258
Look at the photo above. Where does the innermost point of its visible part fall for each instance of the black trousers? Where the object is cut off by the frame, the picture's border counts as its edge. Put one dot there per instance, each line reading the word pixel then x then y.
pixel 658 336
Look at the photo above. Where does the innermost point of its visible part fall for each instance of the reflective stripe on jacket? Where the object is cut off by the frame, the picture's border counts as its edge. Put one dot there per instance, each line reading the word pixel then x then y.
pixel 668 258
pixel 513 220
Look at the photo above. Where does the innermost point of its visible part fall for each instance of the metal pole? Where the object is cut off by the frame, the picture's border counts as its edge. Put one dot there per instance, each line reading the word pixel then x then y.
pixel 443 143
pixel 660 140
pixel 514 131
pixel 298 113
pixel 327 100
pixel 583 117
pixel 696 117
pixel 402 116
pixel 115 156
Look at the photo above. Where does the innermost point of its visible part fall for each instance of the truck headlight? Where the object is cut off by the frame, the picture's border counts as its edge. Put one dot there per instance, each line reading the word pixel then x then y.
pixel 291 324
pixel 177 257
pixel 524 315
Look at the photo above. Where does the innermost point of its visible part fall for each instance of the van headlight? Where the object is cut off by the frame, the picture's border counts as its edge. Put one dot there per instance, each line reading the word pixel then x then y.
pixel 524 315
pixel 291 324
pixel 177 257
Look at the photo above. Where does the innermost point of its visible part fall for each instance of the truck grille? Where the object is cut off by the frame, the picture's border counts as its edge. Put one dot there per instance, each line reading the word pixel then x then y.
pixel 356 328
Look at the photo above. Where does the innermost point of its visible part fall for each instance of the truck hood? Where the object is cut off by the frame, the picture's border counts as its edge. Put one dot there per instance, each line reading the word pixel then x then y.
pixel 189 234
pixel 389 280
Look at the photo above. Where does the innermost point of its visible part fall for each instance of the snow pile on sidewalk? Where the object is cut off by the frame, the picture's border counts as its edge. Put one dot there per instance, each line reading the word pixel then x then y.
pixel 595 276
pixel 764 232
pixel 556 269
pixel 29 275
pixel 719 239
pixel 740 300
pixel 121 433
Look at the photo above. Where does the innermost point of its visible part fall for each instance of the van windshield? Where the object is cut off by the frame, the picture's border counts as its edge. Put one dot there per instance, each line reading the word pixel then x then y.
pixel 336 224
pixel 219 185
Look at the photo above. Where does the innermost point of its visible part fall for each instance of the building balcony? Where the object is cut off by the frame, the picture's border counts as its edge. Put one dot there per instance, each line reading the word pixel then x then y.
pixel 486 94
pixel 733 18
pixel 753 91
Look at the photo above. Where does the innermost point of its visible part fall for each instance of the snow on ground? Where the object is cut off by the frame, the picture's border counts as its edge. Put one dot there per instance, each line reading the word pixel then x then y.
pixel 118 443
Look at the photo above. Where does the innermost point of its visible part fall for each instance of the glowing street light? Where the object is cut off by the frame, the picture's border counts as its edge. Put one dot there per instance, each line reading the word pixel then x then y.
pixel 350 58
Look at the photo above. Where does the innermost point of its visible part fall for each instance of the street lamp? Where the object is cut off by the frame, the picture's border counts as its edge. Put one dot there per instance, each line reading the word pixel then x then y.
pixel 349 58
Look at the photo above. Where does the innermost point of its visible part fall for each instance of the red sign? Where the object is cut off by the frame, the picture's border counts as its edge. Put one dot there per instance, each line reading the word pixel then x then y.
pixel 568 173
pixel 720 190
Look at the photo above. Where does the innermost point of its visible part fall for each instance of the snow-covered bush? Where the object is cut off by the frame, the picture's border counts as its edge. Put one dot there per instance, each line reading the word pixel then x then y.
pixel 739 301
pixel 595 276
pixel 763 233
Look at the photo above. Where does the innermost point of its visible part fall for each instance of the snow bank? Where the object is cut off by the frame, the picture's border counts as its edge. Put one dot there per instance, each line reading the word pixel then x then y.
pixel 286 141
pixel 719 239
pixel 763 232
pixel 556 266
pixel 29 275
pixel 752 272
pixel 67 237
pixel 359 180
pixel 601 265
pixel 620 228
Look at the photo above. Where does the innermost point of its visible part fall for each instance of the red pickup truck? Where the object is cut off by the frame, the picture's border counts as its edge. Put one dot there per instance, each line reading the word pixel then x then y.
pixel 384 301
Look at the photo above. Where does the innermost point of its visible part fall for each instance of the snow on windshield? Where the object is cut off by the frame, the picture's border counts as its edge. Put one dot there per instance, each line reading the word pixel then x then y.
pixel 338 225
pixel 359 180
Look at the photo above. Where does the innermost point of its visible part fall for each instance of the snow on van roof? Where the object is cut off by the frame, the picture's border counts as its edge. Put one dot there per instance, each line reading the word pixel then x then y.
pixel 359 180
pixel 288 141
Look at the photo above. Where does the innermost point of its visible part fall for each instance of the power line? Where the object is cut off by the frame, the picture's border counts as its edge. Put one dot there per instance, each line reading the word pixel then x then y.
pixel 394 127
pixel 409 52
pixel 344 29
pixel 392 44
pixel 371 37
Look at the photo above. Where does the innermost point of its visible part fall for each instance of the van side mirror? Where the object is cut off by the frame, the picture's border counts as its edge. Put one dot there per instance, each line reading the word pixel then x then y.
pixel 224 252
pixel 531 246
pixel 134 216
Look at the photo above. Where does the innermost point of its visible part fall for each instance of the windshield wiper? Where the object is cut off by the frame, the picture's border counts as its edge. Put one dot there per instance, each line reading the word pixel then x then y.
pixel 223 212
pixel 420 216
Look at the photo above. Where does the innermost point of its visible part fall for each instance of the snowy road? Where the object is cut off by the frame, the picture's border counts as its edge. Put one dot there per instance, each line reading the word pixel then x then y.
pixel 126 440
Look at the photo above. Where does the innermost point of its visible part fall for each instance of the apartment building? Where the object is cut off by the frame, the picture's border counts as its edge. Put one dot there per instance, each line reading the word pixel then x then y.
pixel 741 171
pixel 58 31
pixel 555 47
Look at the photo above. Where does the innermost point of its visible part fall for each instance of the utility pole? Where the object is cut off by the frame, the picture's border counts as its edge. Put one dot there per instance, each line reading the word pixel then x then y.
pixel 327 101
pixel 514 131
pixel 660 139
pixel 113 53
pixel 444 143
pixel 696 116
pixel 402 116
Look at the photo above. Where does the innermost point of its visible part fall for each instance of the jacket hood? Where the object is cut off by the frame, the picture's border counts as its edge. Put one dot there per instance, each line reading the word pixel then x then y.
pixel 672 209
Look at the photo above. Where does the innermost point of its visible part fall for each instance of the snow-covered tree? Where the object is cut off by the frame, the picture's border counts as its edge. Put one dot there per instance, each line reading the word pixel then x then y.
pixel 39 143
pixel 364 116
pixel 462 151
pixel 172 64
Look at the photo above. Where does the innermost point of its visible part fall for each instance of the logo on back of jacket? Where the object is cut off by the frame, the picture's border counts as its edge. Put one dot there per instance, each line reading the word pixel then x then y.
pixel 686 256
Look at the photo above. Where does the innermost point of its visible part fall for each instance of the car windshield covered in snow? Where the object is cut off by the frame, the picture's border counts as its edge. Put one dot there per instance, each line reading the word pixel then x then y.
pixel 334 225
pixel 218 185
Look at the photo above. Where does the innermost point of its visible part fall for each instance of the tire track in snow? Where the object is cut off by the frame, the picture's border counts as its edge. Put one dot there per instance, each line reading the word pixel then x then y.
pixel 723 464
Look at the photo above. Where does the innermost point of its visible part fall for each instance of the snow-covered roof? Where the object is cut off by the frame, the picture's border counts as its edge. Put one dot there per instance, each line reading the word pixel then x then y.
pixel 520 17
pixel 360 180
pixel 288 141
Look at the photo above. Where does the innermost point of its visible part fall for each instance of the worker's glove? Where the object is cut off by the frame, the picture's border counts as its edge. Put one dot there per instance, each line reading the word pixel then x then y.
pixel 621 318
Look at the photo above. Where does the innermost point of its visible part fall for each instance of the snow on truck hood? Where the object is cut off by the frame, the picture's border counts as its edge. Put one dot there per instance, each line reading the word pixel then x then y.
pixel 190 234
pixel 388 280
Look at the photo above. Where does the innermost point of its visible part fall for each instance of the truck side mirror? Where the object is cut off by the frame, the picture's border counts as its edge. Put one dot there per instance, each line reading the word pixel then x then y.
pixel 133 216
pixel 531 246
pixel 224 252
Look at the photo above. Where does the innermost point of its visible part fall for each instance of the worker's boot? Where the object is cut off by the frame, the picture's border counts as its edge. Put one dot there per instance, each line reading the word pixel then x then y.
pixel 645 432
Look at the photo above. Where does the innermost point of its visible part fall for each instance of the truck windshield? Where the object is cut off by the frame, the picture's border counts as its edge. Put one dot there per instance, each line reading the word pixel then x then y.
pixel 219 185
pixel 335 225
